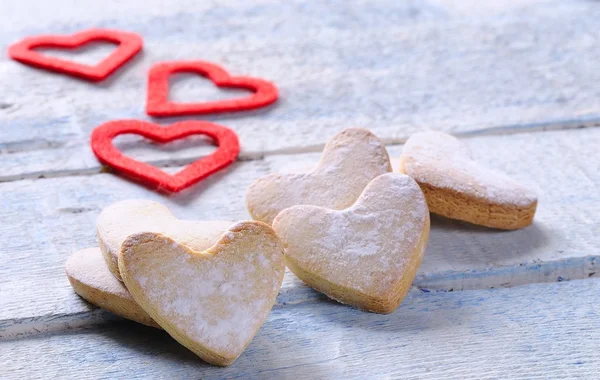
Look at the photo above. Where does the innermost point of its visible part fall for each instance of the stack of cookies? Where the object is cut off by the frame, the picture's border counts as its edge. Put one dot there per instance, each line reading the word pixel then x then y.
pixel 209 284
pixel 351 229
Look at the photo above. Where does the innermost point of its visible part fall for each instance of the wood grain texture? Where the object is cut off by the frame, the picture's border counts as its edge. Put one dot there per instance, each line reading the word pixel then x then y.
pixel 392 67
pixel 541 331
pixel 47 219
pixel 491 70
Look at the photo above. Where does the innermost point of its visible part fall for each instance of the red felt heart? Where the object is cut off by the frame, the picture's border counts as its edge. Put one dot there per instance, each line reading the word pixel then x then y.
pixel 157 104
pixel 152 176
pixel 129 44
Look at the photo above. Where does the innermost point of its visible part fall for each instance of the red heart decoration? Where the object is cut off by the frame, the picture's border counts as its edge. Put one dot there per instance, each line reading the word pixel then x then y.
pixel 157 103
pixel 129 44
pixel 152 176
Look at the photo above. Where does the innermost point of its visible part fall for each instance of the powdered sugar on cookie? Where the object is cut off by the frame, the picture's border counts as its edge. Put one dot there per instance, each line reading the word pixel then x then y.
pixel 442 161
pixel 91 279
pixel 216 299
pixel 350 160
pixel 129 217
pixel 88 266
pixel 366 247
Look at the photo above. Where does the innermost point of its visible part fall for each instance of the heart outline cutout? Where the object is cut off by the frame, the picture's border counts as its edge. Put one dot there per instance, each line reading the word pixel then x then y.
pixel 128 45
pixel 151 176
pixel 158 105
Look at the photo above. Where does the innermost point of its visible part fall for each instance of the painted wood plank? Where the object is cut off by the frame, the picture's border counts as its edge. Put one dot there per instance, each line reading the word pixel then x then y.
pixel 541 331
pixel 394 67
pixel 46 219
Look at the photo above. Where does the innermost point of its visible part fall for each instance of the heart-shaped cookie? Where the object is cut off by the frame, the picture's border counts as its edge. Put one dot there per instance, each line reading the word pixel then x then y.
pixel 154 177
pixel 366 255
pixel 90 278
pixel 350 160
pixel 157 103
pixel 129 44
pixel 129 217
pixel 457 187
pixel 214 301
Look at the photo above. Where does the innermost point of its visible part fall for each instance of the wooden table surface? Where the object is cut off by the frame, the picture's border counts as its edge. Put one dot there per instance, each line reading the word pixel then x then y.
pixel 518 80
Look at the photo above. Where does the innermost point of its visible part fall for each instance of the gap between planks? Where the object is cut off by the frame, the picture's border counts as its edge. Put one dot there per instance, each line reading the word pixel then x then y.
pixel 534 331
pixel 294 292
pixel 57 216
pixel 256 155
pixel 395 68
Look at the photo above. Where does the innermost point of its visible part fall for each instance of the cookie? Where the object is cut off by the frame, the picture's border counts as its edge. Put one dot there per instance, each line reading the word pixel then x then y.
pixel 366 255
pixel 350 160
pixel 457 187
pixel 91 279
pixel 213 302
pixel 125 218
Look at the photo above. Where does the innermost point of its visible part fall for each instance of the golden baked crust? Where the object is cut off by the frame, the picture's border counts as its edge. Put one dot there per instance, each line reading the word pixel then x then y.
pixel 457 187
pixel 213 302
pixel 459 206
pixel 350 160
pixel 90 278
pixel 128 217
pixel 367 255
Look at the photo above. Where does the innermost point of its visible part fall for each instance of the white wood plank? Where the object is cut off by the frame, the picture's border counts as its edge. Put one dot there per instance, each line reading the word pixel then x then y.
pixel 44 220
pixel 393 67
pixel 542 331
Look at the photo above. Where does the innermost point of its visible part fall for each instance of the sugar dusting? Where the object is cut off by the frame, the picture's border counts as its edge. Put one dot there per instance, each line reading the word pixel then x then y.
pixel 129 217
pixel 366 247
pixel 220 301
pixel 443 161
pixel 88 267
pixel 350 160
